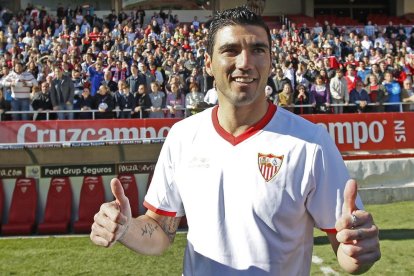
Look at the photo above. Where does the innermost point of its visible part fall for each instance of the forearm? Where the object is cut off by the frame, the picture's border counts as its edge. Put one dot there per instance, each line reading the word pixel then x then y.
pixel 145 236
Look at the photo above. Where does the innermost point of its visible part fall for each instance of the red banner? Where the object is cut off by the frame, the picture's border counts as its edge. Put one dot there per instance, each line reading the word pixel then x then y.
pixel 367 132
pixel 83 130
pixel 370 131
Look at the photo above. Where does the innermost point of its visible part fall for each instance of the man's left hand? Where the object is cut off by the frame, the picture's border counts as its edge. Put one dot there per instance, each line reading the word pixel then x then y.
pixel 357 234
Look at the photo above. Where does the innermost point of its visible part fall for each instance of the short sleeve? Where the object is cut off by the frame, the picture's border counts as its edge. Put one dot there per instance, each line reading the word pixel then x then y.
pixel 328 178
pixel 163 196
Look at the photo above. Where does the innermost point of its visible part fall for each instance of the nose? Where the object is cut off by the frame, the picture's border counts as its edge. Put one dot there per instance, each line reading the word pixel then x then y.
pixel 244 60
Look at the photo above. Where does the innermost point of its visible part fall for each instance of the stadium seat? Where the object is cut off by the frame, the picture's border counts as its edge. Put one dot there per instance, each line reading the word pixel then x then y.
pixel 1 201
pixel 22 213
pixel 58 207
pixel 91 197
pixel 131 191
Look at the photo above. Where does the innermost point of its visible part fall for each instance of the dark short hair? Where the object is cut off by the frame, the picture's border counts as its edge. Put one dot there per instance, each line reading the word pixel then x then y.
pixel 236 16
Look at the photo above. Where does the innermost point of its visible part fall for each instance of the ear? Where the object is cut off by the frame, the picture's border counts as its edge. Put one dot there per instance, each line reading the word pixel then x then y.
pixel 207 63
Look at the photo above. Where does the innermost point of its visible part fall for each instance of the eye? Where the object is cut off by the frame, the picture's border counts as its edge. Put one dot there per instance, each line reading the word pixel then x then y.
pixel 259 50
pixel 229 51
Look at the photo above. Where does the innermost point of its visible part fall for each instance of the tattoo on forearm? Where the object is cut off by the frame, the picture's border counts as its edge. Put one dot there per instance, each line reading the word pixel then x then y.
pixel 169 225
pixel 148 229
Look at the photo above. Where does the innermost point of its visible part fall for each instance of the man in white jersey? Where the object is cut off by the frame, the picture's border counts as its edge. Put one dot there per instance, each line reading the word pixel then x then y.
pixel 254 196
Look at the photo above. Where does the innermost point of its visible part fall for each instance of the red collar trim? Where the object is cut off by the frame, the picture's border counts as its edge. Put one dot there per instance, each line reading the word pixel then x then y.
pixel 234 140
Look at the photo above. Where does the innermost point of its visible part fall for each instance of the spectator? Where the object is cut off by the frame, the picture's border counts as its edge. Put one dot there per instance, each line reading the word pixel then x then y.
pixel 104 103
pixel 149 78
pixel 393 89
pixel 301 97
pixel 86 102
pixel 157 74
pixel 369 29
pixel 142 102
pixel 366 44
pixel 21 84
pixel 78 84
pixel 62 91
pixel 125 101
pixel 377 93
pixel 4 106
pixel 41 102
pixel 107 80
pixel 118 71
pixel 211 97
pixel 194 101
pixel 7 94
pixel 351 77
pixel 319 96
pixel 268 91
pixel 363 72
pixel 157 98
pixel 135 79
pixel 285 98
pixel 339 91
pixel 96 76
pixel 279 80
pixel 407 95
pixel 175 101
pixel 359 96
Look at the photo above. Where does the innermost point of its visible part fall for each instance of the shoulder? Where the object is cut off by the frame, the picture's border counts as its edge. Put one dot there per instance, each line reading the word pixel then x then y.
pixel 190 124
pixel 289 124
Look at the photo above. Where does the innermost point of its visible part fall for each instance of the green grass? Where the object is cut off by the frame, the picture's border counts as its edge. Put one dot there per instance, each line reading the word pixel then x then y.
pixel 396 225
pixel 77 256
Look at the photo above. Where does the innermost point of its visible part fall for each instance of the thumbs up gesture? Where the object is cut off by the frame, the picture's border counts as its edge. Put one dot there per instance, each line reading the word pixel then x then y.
pixel 113 219
pixel 357 234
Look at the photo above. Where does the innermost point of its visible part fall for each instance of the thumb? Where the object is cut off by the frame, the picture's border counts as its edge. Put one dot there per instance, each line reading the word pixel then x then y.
pixel 350 195
pixel 120 197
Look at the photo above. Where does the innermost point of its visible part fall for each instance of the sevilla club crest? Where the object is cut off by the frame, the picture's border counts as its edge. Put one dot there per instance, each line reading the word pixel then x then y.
pixel 269 165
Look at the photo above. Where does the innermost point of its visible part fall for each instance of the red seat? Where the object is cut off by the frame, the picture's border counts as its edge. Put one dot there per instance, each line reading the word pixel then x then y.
pixel 1 201
pixel 22 213
pixel 58 207
pixel 91 198
pixel 131 191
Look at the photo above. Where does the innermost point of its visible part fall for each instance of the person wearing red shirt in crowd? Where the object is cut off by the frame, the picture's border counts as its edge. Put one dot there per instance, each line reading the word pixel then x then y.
pixel 186 46
pixel 351 77
pixel 333 62
pixel 399 74
pixel 95 34
pixel 118 72
pixel 73 49
pixel 377 93
pixel 350 59
pixel 410 64
pixel 185 31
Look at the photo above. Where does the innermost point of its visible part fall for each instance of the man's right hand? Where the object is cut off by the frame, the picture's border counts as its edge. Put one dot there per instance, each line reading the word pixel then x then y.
pixel 113 219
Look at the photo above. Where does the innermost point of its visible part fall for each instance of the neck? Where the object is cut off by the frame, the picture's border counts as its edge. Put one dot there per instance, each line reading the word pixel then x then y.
pixel 237 119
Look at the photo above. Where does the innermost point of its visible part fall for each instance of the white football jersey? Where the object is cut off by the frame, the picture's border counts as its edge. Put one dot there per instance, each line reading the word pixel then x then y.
pixel 251 201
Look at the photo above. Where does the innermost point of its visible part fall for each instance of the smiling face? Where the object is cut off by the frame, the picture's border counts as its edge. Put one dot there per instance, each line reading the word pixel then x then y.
pixel 241 64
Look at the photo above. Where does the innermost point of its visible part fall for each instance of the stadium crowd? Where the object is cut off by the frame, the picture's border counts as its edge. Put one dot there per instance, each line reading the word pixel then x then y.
pixel 123 68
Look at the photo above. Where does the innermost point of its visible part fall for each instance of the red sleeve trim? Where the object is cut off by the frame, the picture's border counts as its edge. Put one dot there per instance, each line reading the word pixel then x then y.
pixel 159 211
pixel 332 231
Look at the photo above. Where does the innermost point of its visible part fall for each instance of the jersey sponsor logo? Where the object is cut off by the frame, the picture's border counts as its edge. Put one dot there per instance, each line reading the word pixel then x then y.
pixel 269 165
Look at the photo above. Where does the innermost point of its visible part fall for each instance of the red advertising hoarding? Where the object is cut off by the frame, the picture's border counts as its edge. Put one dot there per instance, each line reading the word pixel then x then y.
pixel 351 132
pixel 370 131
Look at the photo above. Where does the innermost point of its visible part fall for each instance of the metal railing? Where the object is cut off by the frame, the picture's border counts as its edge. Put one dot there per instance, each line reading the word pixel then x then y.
pixel 187 111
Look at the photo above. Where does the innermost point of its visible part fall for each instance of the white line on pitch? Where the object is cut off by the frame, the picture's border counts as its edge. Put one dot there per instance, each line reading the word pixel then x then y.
pixel 326 270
